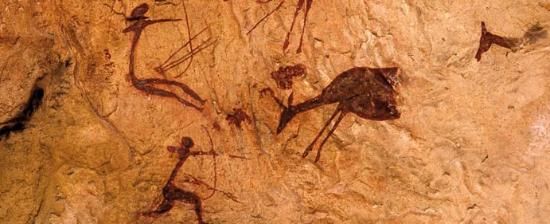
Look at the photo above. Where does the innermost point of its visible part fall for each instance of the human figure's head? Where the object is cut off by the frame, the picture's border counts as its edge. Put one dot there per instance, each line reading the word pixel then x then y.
pixel 187 142
pixel 139 12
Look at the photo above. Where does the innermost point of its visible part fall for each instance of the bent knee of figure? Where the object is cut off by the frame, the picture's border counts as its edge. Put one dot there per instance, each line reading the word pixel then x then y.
pixel 164 207
pixel 186 196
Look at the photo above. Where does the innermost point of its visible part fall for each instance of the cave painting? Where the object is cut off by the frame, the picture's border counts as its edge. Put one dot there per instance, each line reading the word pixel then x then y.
pixel 237 117
pixel 304 5
pixel 284 75
pixel 171 193
pixel 369 93
pixel 153 85
pixel 487 39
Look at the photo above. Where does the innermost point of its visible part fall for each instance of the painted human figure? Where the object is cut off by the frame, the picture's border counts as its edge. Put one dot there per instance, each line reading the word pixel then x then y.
pixel 152 85
pixel 170 192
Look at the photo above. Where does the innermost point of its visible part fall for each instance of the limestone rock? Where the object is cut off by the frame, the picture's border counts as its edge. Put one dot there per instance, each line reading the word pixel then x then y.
pixel 472 144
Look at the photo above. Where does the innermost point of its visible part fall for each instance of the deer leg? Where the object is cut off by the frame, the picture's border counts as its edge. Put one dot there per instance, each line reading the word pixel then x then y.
pixel 310 147
pixel 308 7
pixel 298 8
pixel 330 132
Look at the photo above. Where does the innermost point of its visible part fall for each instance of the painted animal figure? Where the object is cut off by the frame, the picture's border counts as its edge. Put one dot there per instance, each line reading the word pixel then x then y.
pixel 370 93
pixel 487 39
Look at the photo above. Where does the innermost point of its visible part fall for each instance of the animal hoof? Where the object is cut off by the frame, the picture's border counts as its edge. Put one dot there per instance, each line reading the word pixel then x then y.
pixel 306 152
pixel 317 158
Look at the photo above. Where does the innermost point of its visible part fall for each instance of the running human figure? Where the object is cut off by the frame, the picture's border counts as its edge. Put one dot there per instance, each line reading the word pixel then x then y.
pixel 170 192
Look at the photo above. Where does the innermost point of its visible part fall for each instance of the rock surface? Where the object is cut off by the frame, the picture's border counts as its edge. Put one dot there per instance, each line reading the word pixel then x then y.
pixel 472 144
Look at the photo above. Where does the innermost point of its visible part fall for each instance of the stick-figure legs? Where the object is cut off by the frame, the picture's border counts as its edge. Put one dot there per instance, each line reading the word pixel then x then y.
pixel 171 194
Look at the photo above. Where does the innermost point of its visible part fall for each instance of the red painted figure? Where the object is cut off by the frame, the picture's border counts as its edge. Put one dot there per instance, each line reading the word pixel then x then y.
pixel 369 93
pixel 153 85
pixel 170 192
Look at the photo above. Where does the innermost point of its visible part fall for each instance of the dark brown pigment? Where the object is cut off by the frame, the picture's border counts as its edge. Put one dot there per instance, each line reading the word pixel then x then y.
pixel 237 117
pixel 367 92
pixel 151 85
pixel 302 4
pixel 284 75
pixel 487 39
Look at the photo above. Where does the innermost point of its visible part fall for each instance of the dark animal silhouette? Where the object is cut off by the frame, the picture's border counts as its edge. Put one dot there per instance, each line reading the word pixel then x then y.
pixel 367 92
pixel 487 39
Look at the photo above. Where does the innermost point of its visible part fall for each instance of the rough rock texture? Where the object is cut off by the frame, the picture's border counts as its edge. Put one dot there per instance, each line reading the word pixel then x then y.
pixel 472 144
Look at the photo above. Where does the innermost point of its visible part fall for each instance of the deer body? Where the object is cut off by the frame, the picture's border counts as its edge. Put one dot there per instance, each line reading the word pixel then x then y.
pixel 367 92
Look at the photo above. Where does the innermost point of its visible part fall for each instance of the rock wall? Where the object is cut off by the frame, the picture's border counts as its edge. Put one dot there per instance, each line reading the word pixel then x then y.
pixel 471 144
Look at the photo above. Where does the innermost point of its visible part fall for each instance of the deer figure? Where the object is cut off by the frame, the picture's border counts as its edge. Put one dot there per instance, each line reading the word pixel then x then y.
pixel 370 93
